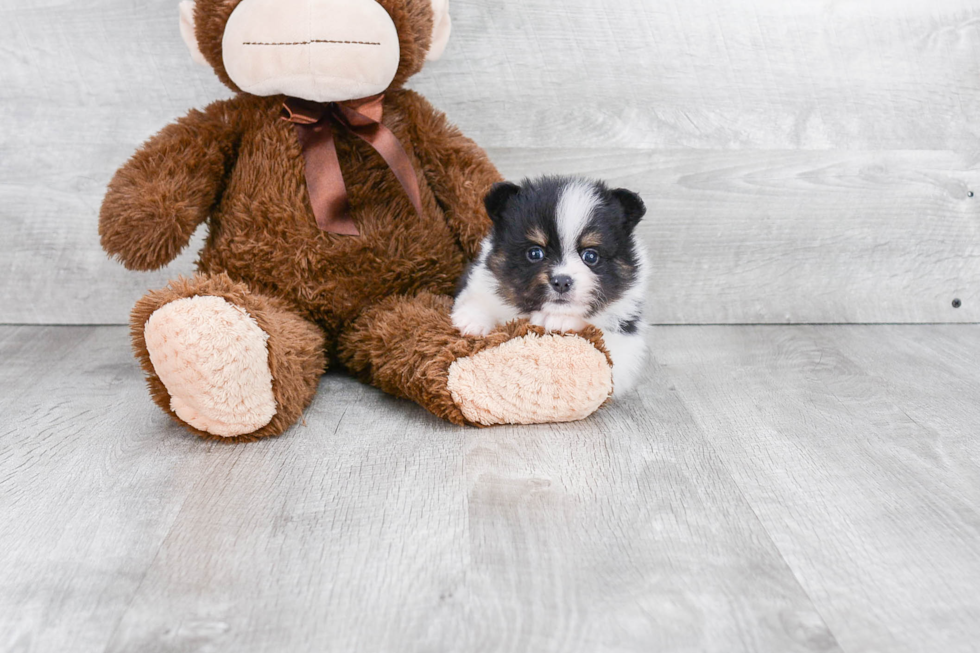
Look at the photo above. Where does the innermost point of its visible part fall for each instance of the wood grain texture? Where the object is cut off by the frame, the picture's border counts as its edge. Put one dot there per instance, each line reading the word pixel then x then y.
pixel 856 448
pixel 713 74
pixel 854 122
pixel 88 487
pixel 371 527
pixel 623 533
pixel 796 237
pixel 769 489
pixel 734 237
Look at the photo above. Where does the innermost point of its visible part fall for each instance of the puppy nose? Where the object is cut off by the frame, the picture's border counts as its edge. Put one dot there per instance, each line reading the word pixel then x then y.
pixel 562 283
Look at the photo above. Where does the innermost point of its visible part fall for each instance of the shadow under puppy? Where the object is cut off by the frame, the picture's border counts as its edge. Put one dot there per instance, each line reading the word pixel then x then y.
pixel 562 253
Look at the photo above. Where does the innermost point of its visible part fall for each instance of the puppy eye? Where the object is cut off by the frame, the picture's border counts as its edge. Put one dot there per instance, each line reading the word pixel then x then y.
pixel 535 254
pixel 590 256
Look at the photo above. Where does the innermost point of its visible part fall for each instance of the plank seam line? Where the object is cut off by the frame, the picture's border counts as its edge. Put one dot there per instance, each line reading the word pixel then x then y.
pixel 149 566
pixel 724 464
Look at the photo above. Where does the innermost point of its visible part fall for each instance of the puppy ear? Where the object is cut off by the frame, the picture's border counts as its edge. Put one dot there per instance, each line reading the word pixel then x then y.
pixel 496 200
pixel 633 207
pixel 442 27
pixel 188 33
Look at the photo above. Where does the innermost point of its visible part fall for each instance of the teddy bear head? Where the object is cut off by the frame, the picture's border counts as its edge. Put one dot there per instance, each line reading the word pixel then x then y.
pixel 316 50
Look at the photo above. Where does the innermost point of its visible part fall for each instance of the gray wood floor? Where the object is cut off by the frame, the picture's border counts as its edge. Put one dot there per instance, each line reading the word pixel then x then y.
pixel 770 489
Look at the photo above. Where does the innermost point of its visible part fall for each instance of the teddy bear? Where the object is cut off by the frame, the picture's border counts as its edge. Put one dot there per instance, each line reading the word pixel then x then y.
pixel 341 209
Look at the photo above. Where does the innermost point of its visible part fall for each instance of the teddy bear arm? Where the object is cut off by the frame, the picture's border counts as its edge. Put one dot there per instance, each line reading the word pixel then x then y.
pixel 457 169
pixel 169 186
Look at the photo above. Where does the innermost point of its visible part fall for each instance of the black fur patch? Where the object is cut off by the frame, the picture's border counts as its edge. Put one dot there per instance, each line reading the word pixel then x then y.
pixel 630 326
pixel 517 211
pixel 523 283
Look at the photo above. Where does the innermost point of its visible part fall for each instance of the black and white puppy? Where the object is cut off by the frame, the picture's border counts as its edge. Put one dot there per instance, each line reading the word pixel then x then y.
pixel 563 253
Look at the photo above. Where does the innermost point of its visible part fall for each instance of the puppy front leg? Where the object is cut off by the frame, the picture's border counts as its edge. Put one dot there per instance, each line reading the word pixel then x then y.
pixel 558 323
pixel 478 309
pixel 471 317
pixel 629 356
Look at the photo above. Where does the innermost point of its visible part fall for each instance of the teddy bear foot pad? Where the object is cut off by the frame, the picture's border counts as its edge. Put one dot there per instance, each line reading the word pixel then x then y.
pixel 213 358
pixel 532 380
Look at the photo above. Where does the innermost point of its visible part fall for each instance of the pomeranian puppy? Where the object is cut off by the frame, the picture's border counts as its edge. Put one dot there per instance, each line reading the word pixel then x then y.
pixel 563 253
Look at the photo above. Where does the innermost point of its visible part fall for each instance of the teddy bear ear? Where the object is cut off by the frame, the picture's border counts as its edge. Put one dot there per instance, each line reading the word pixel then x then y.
pixel 441 31
pixel 187 31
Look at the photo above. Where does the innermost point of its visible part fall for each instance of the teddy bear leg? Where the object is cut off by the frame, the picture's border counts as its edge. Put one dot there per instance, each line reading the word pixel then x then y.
pixel 408 347
pixel 224 361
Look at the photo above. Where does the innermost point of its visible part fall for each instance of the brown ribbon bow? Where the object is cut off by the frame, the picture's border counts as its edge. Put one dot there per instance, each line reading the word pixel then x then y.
pixel 315 123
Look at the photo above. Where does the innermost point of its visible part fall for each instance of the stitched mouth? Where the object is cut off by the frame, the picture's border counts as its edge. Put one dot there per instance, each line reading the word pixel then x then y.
pixel 310 42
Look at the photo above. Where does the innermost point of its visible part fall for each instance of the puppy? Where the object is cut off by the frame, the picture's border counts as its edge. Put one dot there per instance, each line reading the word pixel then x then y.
pixel 563 253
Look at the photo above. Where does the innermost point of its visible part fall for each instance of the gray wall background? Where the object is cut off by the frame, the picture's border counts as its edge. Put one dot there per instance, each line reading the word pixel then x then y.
pixel 804 161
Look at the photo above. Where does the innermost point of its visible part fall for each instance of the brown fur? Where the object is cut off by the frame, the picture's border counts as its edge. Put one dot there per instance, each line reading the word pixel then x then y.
pixel 543 279
pixel 538 237
pixel 296 353
pixel 413 338
pixel 625 268
pixel 591 239
pixel 380 301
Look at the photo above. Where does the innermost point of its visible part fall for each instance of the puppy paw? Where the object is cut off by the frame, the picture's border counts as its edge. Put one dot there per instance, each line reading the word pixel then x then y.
pixel 557 323
pixel 471 322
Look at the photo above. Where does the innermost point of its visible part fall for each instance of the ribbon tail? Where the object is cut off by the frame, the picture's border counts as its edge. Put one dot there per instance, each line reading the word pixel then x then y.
pixel 324 179
pixel 384 141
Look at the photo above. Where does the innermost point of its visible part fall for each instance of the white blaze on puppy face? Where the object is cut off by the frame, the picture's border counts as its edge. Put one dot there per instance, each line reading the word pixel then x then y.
pixel 575 209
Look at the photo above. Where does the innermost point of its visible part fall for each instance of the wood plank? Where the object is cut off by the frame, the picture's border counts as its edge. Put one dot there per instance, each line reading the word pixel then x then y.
pixel 373 526
pixel 941 395
pixel 91 479
pixel 735 237
pixel 770 489
pixel 796 237
pixel 84 84
pixel 623 533
pixel 712 74
pixel 592 73
pixel 856 448
pixel 347 534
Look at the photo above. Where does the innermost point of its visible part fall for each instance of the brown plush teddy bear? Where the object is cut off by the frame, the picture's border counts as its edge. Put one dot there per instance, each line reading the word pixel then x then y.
pixel 341 210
